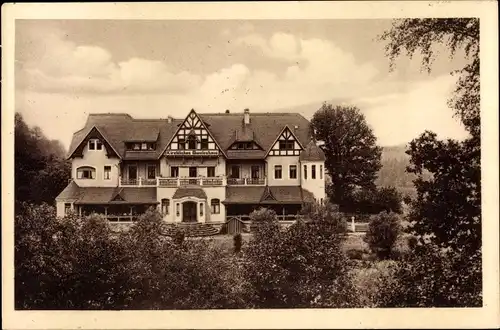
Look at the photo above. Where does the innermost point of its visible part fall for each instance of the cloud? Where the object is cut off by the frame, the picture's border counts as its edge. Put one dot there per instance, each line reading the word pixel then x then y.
pixel 60 65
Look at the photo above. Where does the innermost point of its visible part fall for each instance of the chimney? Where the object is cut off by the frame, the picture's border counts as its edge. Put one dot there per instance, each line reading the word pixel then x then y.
pixel 246 116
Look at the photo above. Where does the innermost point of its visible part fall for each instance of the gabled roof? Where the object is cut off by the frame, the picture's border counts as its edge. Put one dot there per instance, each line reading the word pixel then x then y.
pixel 286 127
pixel 312 152
pixel 264 129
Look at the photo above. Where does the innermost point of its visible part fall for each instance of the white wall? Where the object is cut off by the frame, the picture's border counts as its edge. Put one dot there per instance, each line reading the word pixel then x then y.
pixel 220 193
pixel 317 185
pixel 96 159
pixel 285 162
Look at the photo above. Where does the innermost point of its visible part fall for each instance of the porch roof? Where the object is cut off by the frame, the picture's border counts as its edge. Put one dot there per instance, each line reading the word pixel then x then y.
pixel 189 192
pixel 257 195
pixel 108 195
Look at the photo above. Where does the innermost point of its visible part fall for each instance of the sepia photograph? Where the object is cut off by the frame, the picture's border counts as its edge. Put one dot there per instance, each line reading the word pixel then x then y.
pixel 254 164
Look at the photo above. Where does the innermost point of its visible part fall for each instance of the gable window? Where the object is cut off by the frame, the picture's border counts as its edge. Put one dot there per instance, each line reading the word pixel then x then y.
pixel 151 146
pixel 85 172
pixel 137 146
pixel 215 206
pixel 305 172
pixel 91 144
pixel 286 145
pixel 181 144
pixel 165 206
pixel 174 171
pixel 313 171
pixel 248 145
pixel 107 172
pixel 204 144
pixel 192 142
pixel 277 171
pixel 151 172
pixel 321 172
pixel 293 172
pixel 211 171
pixel 67 208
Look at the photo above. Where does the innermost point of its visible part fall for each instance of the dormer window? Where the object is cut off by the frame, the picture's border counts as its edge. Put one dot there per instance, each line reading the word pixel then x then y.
pixel 244 146
pixel 95 144
pixel 143 146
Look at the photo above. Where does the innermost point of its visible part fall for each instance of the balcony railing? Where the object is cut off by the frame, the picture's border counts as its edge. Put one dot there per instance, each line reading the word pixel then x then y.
pixel 173 182
pixel 187 181
pixel 246 181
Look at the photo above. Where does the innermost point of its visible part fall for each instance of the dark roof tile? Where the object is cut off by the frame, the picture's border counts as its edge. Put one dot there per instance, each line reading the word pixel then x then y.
pixel 189 192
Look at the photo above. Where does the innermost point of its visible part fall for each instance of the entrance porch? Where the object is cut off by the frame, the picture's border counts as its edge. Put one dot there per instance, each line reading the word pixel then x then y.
pixel 115 212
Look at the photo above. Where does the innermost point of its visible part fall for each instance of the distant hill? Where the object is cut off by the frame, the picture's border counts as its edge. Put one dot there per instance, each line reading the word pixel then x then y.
pixel 393 172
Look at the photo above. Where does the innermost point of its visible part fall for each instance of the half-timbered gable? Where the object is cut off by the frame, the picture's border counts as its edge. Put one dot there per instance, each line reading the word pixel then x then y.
pixel 286 144
pixel 193 138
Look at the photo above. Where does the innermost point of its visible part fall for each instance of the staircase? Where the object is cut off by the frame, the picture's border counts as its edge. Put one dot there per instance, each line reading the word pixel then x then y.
pixel 192 229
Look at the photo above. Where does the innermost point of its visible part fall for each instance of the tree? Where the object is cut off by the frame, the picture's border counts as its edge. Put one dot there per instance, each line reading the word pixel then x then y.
pixel 41 170
pixel 383 231
pixel 447 209
pixel 302 266
pixel 352 156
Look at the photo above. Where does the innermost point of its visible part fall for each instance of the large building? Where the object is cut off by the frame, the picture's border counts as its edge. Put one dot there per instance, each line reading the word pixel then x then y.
pixel 204 168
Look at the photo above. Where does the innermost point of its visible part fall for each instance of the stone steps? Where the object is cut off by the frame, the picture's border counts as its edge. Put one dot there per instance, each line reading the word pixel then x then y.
pixel 192 229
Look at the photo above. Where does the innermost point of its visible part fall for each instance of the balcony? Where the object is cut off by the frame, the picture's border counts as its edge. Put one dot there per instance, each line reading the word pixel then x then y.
pixel 246 181
pixel 173 182
pixel 185 181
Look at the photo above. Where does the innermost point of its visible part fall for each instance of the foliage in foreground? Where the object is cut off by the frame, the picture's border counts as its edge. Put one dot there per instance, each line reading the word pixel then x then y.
pixel 383 232
pixel 302 266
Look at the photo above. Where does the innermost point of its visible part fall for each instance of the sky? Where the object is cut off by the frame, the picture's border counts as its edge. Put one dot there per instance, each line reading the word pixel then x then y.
pixel 66 69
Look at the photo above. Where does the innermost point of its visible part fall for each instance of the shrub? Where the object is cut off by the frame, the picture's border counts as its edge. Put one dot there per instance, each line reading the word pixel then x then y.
pixel 434 277
pixel 238 242
pixel 369 280
pixel 301 267
pixel 383 231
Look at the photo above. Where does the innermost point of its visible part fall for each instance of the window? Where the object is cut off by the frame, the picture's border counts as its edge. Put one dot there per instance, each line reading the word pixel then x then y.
pixel 321 201
pixel 132 172
pixel 293 172
pixel 67 208
pixel 174 171
pixel 305 172
pixel 255 172
pixel 313 171
pixel 85 172
pixel 286 145
pixel 193 172
pixel 181 144
pixel 192 142
pixel 165 206
pixel 321 172
pixel 211 171
pixel 177 209
pixel 151 172
pixel 235 172
pixel 201 209
pixel 107 172
pixel 98 145
pixel 137 146
pixel 277 171
pixel 91 144
pixel 215 206
pixel 151 146
pixel 248 145
pixel 240 146
pixel 204 144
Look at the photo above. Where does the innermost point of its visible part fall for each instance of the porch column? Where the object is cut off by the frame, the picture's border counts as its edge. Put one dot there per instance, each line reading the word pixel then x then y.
pixel 80 210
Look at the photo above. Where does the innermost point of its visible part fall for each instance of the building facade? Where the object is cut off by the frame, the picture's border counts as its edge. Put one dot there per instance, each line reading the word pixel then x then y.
pixel 200 169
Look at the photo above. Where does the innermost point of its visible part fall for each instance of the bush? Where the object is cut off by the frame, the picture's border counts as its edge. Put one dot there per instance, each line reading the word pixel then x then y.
pixel 383 232
pixel 434 277
pixel 238 242
pixel 301 267
pixel 369 280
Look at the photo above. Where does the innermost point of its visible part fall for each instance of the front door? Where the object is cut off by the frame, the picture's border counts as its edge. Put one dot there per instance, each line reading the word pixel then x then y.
pixel 189 212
